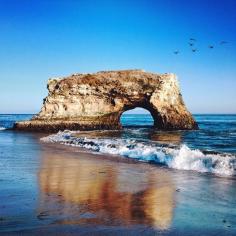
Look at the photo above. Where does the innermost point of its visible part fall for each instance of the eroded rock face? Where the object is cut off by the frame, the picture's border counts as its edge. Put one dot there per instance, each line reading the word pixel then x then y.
pixel 96 101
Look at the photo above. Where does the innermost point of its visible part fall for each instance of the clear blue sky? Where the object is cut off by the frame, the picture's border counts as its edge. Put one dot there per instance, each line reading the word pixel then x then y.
pixel 42 39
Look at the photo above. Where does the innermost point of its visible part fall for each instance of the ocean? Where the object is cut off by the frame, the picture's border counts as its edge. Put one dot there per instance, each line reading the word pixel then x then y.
pixel 212 148
pixel 135 181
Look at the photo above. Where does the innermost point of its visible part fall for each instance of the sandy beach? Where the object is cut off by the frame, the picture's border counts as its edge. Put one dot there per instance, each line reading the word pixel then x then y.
pixel 61 190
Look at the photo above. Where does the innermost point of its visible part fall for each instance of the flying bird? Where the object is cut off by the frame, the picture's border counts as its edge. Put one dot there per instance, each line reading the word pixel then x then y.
pixel 191 44
pixel 194 50
pixel 192 39
pixel 176 52
pixel 211 46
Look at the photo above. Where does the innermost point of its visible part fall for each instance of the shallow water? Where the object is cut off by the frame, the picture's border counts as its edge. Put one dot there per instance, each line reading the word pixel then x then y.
pixel 216 133
pixel 212 148
pixel 51 188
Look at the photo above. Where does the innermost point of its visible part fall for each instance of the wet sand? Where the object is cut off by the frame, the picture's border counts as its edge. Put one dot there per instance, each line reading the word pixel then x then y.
pixel 49 189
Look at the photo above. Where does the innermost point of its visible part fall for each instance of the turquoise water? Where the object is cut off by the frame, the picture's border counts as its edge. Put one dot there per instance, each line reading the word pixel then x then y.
pixel 200 204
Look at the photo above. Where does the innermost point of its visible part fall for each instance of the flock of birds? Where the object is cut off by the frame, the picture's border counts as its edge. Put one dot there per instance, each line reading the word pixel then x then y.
pixel 192 42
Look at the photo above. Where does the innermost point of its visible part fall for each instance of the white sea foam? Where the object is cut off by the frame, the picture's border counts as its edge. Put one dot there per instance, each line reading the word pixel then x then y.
pixel 181 157
pixel 2 128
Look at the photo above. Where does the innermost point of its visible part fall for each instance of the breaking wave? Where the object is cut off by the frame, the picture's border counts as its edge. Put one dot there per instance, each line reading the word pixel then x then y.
pixel 2 128
pixel 177 157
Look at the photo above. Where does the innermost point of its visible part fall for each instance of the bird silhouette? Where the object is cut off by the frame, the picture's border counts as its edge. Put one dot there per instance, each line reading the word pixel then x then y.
pixel 192 39
pixel 211 46
pixel 194 50
pixel 191 44
pixel 176 52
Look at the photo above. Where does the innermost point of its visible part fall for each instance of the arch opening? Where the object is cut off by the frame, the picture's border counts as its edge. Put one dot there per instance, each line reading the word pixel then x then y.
pixel 137 117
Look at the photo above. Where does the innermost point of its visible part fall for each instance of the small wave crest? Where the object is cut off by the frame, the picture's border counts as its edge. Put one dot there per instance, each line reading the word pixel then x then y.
pixel 177 157
pixel 2 128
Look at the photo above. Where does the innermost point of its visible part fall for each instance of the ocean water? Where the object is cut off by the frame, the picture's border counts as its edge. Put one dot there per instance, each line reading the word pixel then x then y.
pixel 7 120
pixel 49 187
pixel 211 149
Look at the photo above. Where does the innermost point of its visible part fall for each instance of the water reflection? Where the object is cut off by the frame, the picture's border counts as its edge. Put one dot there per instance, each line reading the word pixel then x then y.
pixel 166 137
pixel 150 134
pixel 97 191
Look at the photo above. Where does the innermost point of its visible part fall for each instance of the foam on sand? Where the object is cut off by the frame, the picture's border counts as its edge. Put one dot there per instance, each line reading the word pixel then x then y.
pixel 177 157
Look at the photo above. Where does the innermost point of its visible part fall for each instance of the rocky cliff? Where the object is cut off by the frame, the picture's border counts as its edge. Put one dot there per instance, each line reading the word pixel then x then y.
pixel 96 101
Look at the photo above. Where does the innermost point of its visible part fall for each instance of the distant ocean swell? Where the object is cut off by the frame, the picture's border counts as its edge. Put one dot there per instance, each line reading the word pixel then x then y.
pixel 177 157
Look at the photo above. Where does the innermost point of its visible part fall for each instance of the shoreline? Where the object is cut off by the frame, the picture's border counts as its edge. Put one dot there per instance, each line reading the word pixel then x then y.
pixel 55 189
pixel 74 151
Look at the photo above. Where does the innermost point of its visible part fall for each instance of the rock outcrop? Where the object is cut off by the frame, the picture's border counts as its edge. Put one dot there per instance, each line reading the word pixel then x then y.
pixel 97 101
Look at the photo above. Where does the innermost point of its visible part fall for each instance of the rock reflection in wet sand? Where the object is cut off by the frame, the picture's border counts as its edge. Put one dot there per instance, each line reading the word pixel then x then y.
pixel 174 137
pixel 92 190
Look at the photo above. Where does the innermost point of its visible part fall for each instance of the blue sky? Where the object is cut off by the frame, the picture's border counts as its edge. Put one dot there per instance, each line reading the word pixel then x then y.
pixel 42 39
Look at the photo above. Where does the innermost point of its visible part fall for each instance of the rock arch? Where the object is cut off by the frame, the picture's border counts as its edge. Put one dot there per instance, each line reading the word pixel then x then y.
pixel 96 101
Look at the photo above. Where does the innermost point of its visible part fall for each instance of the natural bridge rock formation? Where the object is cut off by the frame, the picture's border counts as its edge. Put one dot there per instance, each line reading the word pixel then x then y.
pixel 97 101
